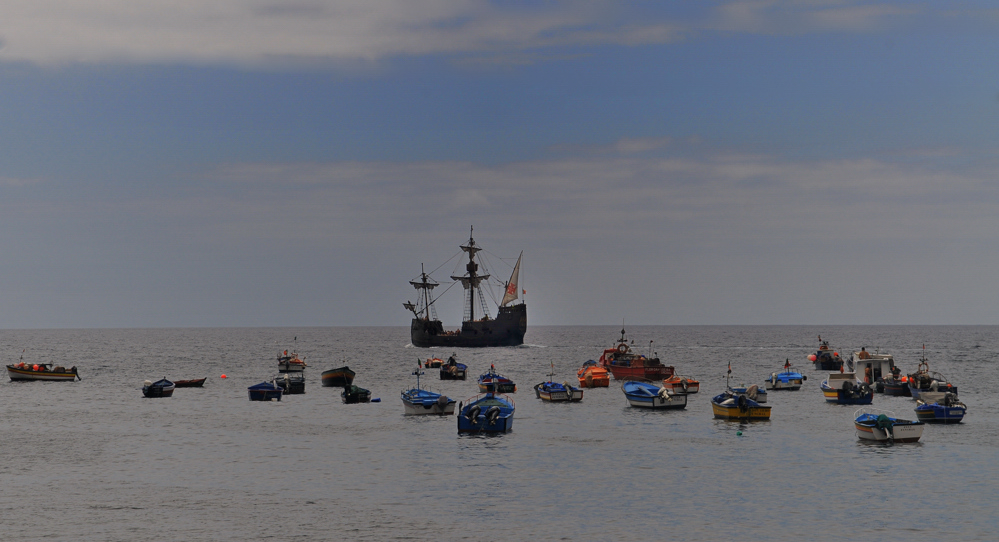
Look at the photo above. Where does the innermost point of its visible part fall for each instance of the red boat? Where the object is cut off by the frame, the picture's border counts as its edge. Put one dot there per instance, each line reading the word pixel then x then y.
pixel 625 364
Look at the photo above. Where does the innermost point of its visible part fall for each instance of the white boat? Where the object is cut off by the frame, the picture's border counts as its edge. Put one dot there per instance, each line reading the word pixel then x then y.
pixel 878 425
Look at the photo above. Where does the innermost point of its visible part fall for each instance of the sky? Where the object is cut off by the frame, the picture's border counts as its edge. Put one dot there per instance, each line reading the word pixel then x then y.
pixel 294 162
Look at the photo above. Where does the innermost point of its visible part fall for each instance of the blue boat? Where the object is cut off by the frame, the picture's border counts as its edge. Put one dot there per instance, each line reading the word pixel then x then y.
pixel 419 402
pixel 555 392
pixel 788 379
pixel 265 391
pixel 645 395
pixel 452 370
pixel 947 409
pixel 486 413
pixel 491 381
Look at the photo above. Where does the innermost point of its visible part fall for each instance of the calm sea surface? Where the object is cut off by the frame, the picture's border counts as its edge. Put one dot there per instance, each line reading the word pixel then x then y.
pixel 94 460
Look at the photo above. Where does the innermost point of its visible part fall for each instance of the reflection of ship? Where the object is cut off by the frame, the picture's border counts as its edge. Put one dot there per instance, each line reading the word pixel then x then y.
pixel 478 328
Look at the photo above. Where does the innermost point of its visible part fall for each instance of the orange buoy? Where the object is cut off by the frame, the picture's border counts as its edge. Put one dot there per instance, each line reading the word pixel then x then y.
pixel 34 367
pixel 223 376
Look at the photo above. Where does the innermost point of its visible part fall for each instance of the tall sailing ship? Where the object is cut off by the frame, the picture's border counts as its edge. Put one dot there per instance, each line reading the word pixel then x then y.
pixel 478 327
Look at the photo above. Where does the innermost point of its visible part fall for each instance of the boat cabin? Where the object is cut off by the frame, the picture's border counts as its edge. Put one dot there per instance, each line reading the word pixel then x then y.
pixel 881 366
pixel 836 380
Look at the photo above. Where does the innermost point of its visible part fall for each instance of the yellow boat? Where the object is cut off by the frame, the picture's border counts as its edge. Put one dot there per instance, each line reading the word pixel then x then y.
pixel 731 405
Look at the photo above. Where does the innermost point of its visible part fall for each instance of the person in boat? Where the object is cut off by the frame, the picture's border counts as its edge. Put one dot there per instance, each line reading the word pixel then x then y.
pixel 863 353
pixel 867 374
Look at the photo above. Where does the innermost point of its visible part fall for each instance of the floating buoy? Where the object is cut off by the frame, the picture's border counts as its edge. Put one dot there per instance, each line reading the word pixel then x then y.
pixel 738 433
pixel 223 376
pixel 811 357
pixel 376 400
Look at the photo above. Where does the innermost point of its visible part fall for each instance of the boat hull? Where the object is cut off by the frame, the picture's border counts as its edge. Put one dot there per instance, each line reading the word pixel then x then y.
pixel 670 402
pixel 158 390
pixel 454 372
pixel 790 381
pixel 593 377
pixel 896 388
pixel 27 374
pixel 353 394
pixel 558 394
pixel 197 383
pixel 655 372
pixel 423 403
pixel 936 413
pixel 733 405
pixel 266 395
pixel 909 432
pixel 507 329
pixel 338 378
pixel 291 383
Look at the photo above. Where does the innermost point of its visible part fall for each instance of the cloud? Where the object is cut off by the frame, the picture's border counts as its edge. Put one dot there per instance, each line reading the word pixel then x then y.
pixel 262 31
pixel 793 17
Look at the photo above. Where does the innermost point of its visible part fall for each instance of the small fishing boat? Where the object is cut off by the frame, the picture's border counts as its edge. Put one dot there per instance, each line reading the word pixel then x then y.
pixel 418 401
pixel 491 381
pixel 265 391
pixel 882 426
pixel 825 359
pixel 160 388
pixel 625 364
pixel 925 380
pixel 433 363
pixel 452 370
pixel 738 403
pixel 338 378
pixel 41 371
pixel 592 375
pixel 555 392
pixel 486 413
pixel 646 395
pixel 291 383
pixel 732 405
pixel 682 384
pixel 353 394
pixel 844 389
pixel 196 383
pixel 788 379
pixel 947 409
pixel 290 363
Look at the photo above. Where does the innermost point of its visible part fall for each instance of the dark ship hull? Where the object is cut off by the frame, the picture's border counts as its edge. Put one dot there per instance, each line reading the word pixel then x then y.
pixel 507 329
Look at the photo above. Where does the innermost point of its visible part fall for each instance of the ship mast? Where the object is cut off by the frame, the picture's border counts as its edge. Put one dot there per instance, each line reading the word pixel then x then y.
pixel 424 305
pixel 470 281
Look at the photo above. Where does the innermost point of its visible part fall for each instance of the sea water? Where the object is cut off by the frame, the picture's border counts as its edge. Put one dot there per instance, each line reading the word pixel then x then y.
pixel 95 460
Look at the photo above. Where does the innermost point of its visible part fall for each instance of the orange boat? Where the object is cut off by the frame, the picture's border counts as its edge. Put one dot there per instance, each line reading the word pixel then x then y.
pixel 625 364
pixel 592 375
pixel 682 384
pixel 433 363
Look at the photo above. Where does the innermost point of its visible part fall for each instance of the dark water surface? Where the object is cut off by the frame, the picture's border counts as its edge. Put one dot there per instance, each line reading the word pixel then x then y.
pixel 94 460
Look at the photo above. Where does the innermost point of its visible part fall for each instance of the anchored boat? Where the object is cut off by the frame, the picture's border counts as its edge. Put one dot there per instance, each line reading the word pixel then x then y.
pixel 478 327
pixel 646 395
pixel 591 375
pixel 788 379
pixel 418 401
pixel 452 370
pixel 825 359
pixel 625 364
pixel 946 409
pixel 160 388
pixel 843 388
pixel 338 377
pixel 486 413
pixel 877 425
pixel 41 371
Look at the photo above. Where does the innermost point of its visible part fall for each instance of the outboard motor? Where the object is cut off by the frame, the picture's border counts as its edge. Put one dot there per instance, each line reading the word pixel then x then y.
pixel 472 414
pixel 492 414
pixel 442 402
